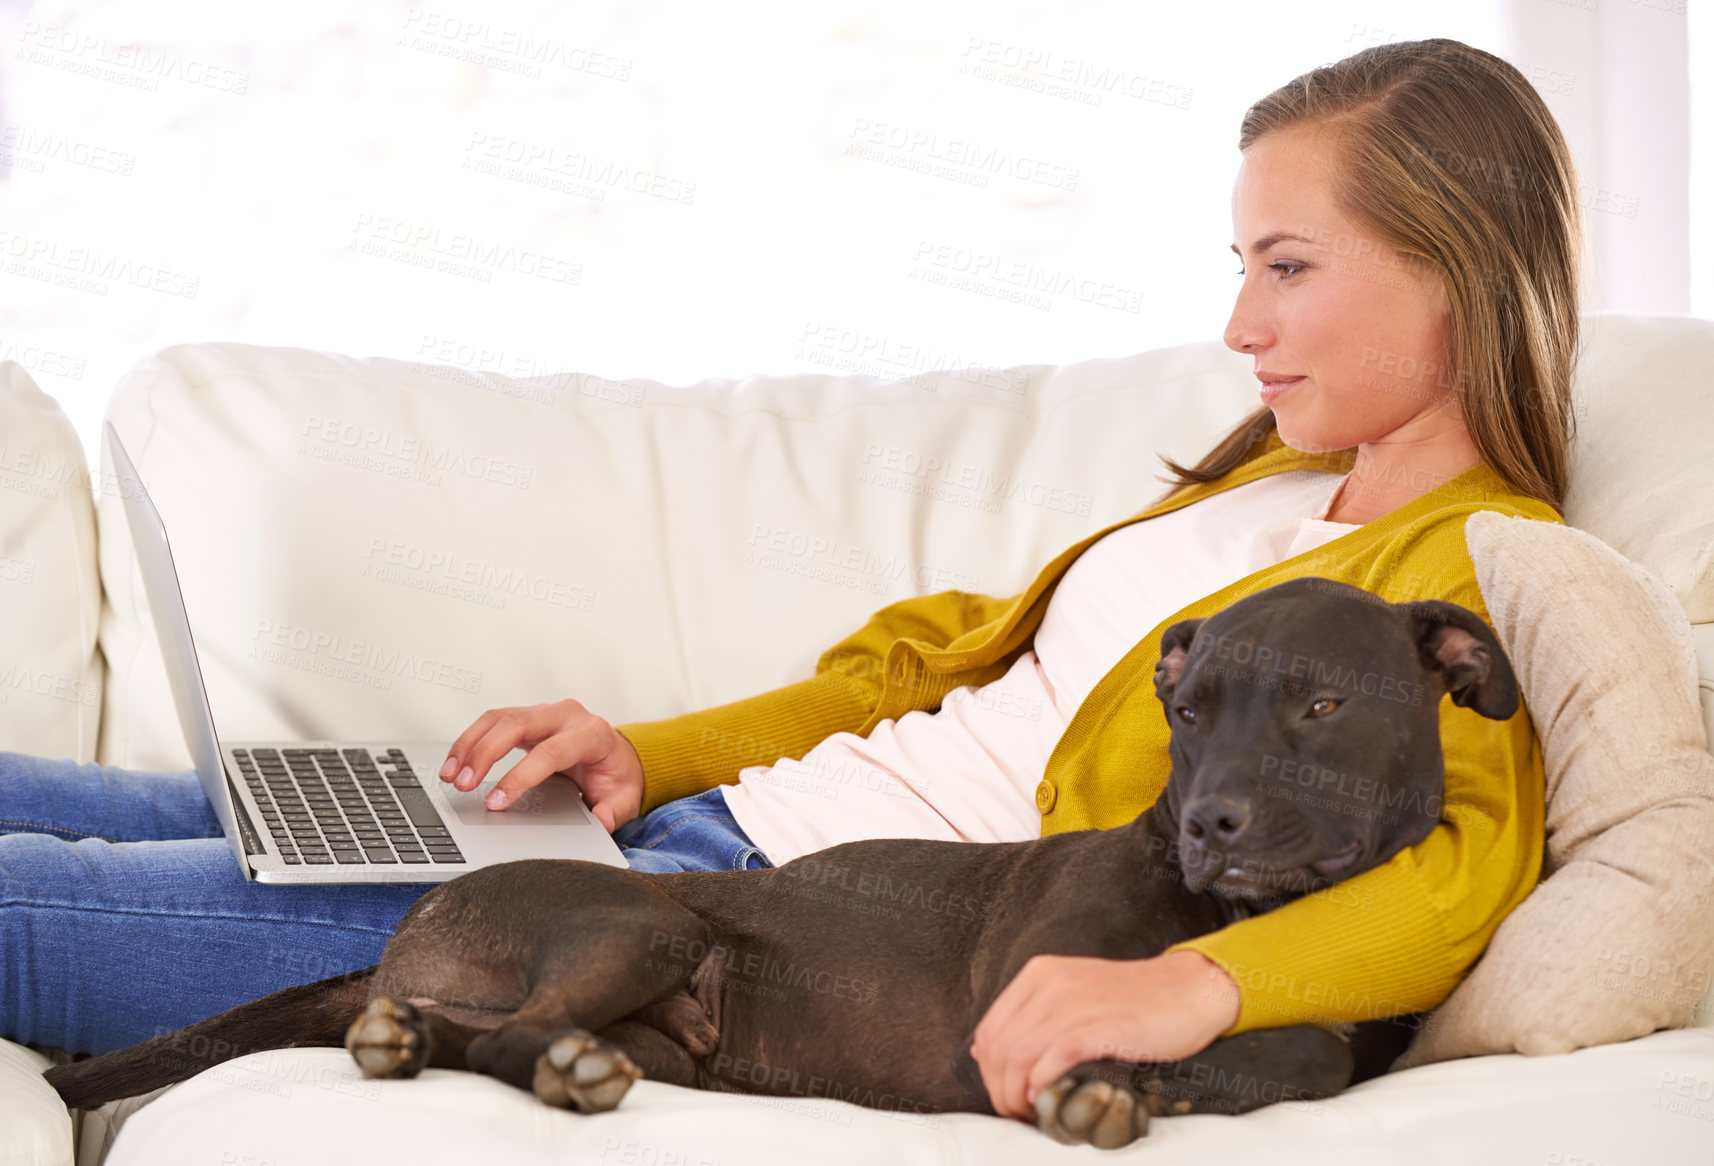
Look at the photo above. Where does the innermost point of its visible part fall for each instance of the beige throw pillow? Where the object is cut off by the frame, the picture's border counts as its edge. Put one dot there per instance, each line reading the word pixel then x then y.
pixel 1617 940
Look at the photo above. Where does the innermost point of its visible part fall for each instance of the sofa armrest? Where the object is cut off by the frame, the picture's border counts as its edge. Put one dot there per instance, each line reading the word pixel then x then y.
pixel 37 1127
pixel 51 676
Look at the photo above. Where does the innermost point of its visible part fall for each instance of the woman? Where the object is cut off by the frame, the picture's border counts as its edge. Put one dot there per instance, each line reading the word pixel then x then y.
pixel 1409 233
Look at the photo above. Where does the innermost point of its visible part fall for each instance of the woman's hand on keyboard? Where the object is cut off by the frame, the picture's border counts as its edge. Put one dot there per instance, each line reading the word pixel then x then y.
pixel 563 737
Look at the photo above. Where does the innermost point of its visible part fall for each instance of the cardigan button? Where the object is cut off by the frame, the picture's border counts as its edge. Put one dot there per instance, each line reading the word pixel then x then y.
pixel 1046 796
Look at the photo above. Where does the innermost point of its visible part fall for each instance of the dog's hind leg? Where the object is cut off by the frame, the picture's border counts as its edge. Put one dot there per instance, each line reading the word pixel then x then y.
pixel 399 1038
pixel 596 979
pixel 563 1064
pixel 666 1039
pixel 682 1020
pixel 658 1056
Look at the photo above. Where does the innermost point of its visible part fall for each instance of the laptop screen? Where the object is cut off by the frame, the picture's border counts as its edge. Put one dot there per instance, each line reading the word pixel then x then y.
pixel 172 628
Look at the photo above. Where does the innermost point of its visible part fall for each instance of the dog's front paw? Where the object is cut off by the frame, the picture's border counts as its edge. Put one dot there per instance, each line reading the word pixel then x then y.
pixel 1079 1111
pixel 579 1072
pixel 390 1039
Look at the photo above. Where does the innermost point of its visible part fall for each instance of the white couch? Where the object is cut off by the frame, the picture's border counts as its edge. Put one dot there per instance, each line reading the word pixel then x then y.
pixel 373 547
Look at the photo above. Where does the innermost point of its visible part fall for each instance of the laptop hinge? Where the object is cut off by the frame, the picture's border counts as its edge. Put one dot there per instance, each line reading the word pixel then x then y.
pixel 246 831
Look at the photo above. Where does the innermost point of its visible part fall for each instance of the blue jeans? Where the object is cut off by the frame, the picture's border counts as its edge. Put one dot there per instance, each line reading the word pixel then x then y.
pixel 123 914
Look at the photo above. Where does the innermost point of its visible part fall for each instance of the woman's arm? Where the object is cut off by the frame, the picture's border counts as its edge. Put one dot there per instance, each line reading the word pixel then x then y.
pixel 1393 940
pixel 697 751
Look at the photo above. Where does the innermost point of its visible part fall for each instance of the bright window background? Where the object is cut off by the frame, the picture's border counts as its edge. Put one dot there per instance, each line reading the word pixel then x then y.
pixel 674 189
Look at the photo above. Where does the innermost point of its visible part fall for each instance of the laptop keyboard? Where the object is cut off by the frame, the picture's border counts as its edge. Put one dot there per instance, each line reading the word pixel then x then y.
pixel 343 806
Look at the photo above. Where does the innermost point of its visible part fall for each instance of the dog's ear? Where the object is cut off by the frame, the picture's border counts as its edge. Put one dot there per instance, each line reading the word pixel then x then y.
pixel 1463 651
pixel 1175 644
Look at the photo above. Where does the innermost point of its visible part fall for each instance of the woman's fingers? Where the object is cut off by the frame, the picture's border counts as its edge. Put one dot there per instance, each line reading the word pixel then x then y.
pixel 1003 1064
pixel 571 744
pixel 496 733
pixel 563 736
pixel 458 768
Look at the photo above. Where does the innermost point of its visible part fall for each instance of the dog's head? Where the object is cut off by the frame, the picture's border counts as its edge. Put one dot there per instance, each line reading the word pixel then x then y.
pixel 1306 731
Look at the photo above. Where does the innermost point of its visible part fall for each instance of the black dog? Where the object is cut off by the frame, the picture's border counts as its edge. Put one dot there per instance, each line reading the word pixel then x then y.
pixel 574 978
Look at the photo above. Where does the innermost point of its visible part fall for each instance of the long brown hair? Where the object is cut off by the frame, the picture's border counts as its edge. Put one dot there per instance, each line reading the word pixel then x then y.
pixel 1449 154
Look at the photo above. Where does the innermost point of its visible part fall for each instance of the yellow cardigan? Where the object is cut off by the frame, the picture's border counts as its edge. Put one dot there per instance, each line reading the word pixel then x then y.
pixel 1392 940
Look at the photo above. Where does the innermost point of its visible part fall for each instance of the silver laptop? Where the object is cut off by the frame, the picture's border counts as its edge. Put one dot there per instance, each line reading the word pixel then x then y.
pixel 343 811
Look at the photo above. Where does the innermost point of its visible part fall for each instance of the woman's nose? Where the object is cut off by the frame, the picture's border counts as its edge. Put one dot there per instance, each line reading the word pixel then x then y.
pixel 1248 328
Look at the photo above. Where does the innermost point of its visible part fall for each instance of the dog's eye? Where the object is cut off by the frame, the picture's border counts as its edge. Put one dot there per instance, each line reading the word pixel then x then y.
pixel 1329 702
pixel 1187 715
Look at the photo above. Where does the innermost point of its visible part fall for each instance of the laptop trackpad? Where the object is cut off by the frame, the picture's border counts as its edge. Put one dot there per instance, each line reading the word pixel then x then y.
pixel 555 802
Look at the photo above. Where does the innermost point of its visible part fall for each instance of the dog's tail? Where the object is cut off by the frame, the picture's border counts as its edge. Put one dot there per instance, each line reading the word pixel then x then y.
pixel 309 1014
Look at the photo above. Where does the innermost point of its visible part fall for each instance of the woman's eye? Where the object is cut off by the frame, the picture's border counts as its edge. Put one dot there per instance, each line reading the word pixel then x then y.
pixel 1330 706
pixel 1285 269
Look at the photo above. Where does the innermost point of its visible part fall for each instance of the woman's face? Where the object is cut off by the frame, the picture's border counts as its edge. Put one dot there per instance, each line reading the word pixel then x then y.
pixel 1324 300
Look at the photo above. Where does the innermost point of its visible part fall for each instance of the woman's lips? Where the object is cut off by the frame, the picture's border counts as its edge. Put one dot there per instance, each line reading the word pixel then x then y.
pixel 1273 390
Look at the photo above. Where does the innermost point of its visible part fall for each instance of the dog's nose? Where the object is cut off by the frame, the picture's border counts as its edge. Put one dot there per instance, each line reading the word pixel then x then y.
pixel 1217 821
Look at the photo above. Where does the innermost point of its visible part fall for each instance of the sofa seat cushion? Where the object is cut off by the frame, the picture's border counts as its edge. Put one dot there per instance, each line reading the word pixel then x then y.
pixel 1646 1100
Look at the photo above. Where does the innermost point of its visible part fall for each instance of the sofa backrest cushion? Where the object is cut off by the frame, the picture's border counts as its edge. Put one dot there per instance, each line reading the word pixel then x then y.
pixel 1642 456
pixel 376 547
pixel 370 547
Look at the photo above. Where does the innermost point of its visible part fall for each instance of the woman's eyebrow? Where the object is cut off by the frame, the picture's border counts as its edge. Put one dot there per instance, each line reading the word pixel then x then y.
pixel 1267 241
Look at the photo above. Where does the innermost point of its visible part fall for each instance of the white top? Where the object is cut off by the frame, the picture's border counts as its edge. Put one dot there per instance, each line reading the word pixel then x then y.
pixel 968 772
